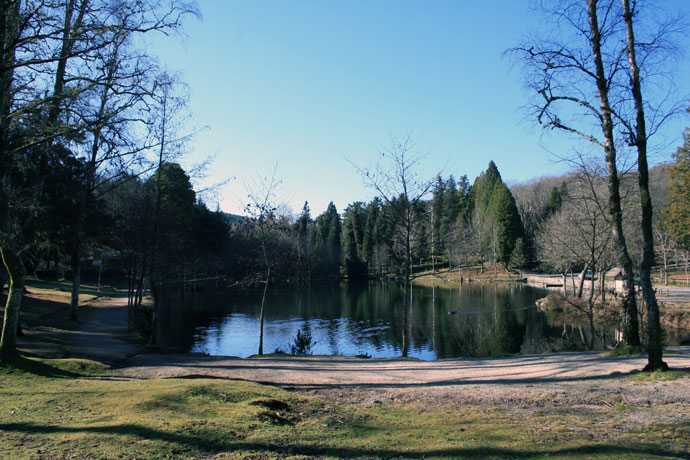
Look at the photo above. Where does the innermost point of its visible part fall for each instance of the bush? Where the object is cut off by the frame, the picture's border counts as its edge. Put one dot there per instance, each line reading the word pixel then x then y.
pixel 302 343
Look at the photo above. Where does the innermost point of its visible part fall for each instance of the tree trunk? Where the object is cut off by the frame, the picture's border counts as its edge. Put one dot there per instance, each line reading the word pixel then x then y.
pixel 156 294
pixel 629 305
pixel 76 281
pixel 9 36
pixel 565 284
pixel 15 269
pixel 408 244
pixel 263 297
pixel 433 241
pixel 261 315
pixel 654 332
pixel 581 282
pixel 405 336
pixel 20 332
pixel 590 303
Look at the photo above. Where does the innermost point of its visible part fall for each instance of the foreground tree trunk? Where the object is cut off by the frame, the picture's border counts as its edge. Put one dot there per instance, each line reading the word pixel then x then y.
pixel 75 265
pixel 15 269
pixel 261 317
pixel 630 319
pixel 9 36
pixel 654 333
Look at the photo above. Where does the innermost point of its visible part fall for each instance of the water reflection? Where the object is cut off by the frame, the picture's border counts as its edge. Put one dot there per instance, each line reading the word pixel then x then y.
pixel 377 319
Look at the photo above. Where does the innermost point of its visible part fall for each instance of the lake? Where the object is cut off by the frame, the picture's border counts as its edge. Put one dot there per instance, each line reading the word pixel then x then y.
pixel 373 319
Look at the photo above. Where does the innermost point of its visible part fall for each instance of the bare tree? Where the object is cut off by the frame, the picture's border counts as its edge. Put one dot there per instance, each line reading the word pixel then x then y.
pixel 665 248
pixel 396 179
pixel 639 137
pixel 578 236
pixel 575 78
pixel 261 208
pixel 590 79
pixel 684 256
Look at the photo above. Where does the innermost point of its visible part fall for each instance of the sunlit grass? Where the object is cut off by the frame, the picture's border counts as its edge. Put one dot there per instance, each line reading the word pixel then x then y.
pixel 79 409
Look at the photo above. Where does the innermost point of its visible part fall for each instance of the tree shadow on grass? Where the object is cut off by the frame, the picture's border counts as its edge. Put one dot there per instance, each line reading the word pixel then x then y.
pixel 208 442
pixel 21 364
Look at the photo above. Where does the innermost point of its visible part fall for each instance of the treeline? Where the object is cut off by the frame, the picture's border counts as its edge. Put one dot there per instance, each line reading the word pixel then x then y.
pixel 552 225
pixel 458 225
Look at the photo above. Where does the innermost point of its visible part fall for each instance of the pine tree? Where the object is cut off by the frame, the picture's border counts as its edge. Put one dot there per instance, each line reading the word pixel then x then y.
pixel 303 222
pixel 506 218
pixel 555 201
pixel 464 191
pixel 518 258
pixel 373 215
pixel 437 207
pixel 676 215
pixel 451 207
pixel 496 214
pixel 328 240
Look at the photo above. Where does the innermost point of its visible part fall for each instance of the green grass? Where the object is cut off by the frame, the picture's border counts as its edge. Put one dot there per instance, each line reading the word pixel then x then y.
pixel 66 287
pixel 78 409
pixel 658 376
pixel 625 350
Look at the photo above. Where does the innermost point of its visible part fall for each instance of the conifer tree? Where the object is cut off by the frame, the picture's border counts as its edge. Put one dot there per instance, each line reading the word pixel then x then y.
pixel 496 214
pixel 328 240
pixel 676 215
pixel 451 207
pixel 369 240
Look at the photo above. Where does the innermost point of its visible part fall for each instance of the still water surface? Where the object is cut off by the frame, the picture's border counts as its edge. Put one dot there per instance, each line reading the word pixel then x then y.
pixel 375 319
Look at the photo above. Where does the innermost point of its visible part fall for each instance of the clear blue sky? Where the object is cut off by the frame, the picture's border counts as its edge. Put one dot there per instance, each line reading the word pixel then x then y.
pixel 310 84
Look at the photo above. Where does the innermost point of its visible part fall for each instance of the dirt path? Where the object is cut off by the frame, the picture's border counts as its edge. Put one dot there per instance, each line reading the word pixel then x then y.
pixel 522 383
pixel 343 372
pixel 102 334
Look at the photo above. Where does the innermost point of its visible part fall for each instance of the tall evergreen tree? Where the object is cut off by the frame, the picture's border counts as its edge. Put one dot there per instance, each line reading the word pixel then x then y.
pixel 328 240
pixel 451 207
pixel 496 215
pixel 506 218
pixel 373 216
pixel 464 191
pixel 437 208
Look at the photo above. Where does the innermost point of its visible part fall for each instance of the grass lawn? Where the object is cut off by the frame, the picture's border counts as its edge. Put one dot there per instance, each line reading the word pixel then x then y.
pixel 64 409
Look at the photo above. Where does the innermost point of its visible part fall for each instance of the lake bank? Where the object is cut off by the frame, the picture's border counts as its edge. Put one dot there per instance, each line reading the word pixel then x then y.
pixel 572 405
pixel 102 335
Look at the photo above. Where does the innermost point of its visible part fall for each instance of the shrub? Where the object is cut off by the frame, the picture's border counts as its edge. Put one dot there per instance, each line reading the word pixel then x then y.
pixel 302 343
